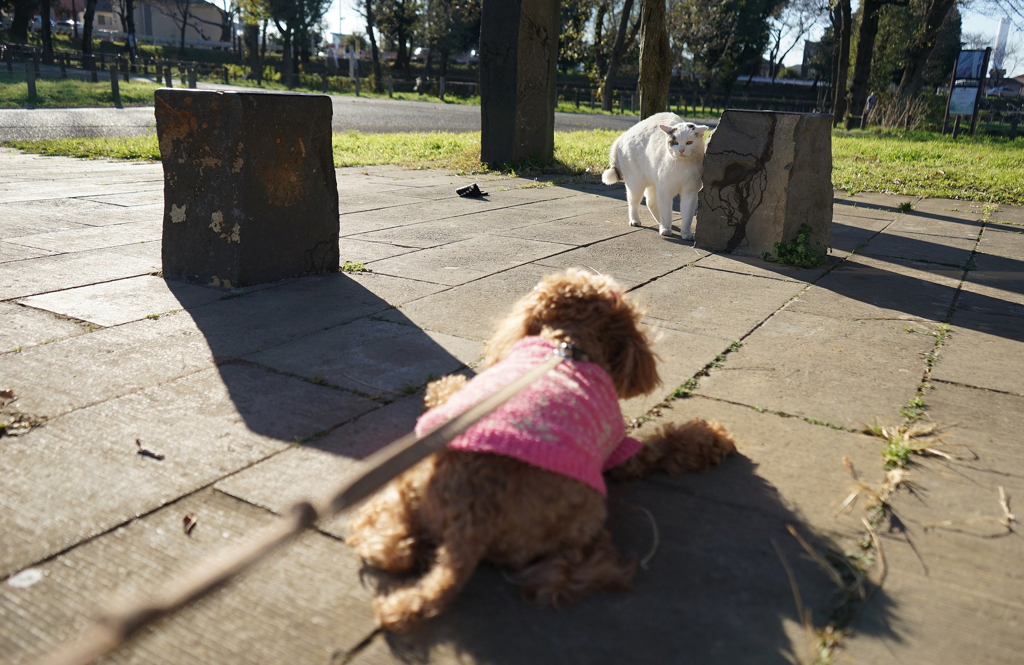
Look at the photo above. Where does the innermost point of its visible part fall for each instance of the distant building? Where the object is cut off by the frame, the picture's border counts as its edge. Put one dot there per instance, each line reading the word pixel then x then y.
pixel 811 49
pixel 156 21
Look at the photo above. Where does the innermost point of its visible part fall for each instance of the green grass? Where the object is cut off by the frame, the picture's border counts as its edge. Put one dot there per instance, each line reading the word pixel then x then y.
pixel 56 93
pixel 917 164
pixel 973 168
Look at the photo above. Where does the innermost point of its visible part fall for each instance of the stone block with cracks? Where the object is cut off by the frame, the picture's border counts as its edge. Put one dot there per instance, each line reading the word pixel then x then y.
pixel 766 174
pixel 250 193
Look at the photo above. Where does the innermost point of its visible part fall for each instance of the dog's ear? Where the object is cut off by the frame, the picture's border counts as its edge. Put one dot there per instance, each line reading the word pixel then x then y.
pixel 634 366
pixel 522 322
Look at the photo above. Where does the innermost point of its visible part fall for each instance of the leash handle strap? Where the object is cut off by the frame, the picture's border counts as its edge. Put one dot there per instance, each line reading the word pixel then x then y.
pixel 121 620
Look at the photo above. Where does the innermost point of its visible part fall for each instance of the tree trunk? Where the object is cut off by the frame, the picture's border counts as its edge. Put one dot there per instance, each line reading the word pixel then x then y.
pixel 870 11
pixel 184 26
pixel 251 37
pixel 45 32
pixel 286 57
pixel 841 62
pixel 378 78
pixel 921 48
pixel 607 90
pixel 90 16
pixel 74 18
pixel 599 57
pixel 655 59
pixel 130 41
pixel 19 23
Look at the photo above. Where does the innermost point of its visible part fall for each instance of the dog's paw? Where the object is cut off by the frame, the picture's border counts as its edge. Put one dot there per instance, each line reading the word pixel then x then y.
pixel 438 392
pixel 687 236
pixel 635 222
pixel 402 610
pixel 665 232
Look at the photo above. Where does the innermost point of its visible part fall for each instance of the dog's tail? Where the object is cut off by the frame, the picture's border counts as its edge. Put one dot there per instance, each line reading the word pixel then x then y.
pixel 676 449
pixel 612 174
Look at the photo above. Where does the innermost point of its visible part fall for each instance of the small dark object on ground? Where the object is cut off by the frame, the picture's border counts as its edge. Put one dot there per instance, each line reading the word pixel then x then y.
pixel 146 453
pixel 189 523
pixel 470 191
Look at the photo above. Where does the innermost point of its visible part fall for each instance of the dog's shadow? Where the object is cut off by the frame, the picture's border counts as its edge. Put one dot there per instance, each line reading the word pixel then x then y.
pixel 714 589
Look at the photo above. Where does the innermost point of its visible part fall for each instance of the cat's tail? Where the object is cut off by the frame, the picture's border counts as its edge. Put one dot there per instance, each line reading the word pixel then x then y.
pixel 612 174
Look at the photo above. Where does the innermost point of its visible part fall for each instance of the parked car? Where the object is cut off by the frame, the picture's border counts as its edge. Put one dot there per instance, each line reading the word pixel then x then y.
pixel 468 58
pixel 36 24
pixel 420 54
pixel 1003 91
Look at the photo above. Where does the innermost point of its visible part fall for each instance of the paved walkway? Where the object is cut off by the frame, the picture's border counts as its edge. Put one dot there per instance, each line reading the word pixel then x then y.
pixel 254 399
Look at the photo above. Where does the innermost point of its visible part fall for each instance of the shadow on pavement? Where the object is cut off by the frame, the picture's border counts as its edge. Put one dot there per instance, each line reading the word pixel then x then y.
pixel 715 590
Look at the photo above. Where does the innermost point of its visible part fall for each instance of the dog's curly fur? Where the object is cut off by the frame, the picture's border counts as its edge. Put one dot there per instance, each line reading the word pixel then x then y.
pixel 547 528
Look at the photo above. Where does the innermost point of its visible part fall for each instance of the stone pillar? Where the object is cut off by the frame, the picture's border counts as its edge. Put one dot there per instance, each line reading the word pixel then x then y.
pixel 250 194
pixel 518 58
pixel 766 174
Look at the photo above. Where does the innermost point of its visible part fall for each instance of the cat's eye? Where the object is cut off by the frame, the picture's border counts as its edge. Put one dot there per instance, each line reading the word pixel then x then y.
pixel 689 142
pixel 673 142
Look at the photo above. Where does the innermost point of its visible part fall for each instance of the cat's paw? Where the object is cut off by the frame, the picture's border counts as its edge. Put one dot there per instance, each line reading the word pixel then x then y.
pixel 635 222
pixel 687 236
pixel 665 232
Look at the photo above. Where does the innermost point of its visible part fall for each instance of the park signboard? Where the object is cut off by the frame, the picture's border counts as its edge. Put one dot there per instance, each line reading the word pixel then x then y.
pixel 966 87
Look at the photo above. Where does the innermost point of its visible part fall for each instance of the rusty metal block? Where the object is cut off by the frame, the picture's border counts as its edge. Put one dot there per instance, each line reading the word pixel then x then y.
pixel 250 194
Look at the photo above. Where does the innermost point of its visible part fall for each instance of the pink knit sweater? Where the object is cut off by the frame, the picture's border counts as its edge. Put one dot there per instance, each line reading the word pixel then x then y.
pixel 568 421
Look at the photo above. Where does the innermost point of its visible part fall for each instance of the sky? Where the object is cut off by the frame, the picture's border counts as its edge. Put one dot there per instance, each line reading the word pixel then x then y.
pixel 342 17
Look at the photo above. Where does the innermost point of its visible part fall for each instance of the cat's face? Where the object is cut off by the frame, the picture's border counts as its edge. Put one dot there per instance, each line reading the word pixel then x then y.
pixel 683 138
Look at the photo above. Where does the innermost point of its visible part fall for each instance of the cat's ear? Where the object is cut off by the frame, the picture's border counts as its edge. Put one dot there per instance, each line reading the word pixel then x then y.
pixel 700 129
pixel 668 130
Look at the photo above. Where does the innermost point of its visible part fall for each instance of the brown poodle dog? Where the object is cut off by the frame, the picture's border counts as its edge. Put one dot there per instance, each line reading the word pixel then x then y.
pixel 456 508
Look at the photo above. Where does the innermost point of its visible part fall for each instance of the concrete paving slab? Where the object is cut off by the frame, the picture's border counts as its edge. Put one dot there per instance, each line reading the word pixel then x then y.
pixel 359 200
pixel 123 300
pixel 363 251
pixel 235 416
pixel 993 292
pixel 12 252
pixel 1009 214
pixel 71 373
pixel 950 209
pixel 1009 244
pixel 421 235
pixel 300 605
pixel 864 287
pixel 467 260
pixel 42 275
pixel 26 218
pixel 471 310
pixel 580 230
pixel 34 190
pixel 851 220
pixel 748 265
pixel 945 223
pixel 633 258
pixel 395 291
pixel 690 300
pixel 373 356
pixel 141 197
pixel 978 349
pixel 919 247
pixel 22 327
pixel 883 202
pixel 316 469
pixel 963 573
pixel 81 240
pixel 847 373
pixel 681 355
pixel 858 207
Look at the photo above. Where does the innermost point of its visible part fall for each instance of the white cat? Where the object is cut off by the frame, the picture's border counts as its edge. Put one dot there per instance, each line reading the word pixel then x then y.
pixel 661 157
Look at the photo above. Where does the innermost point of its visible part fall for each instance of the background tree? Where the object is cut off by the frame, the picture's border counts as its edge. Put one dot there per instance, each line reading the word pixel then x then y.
pixel 842 26
pixel 126 12
pixel 90 16
pixel 20 19
pixel 791 23
pixel 870 14
pixel 655 59
pixel 725 38
pixel 934 15
pixel 367 7
pixel 254 14
pixel 623 39
pixel 45 31
pixel 398 20
pixel 294 19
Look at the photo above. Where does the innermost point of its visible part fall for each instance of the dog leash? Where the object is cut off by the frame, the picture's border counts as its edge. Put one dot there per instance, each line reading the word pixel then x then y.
pixel 122 619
